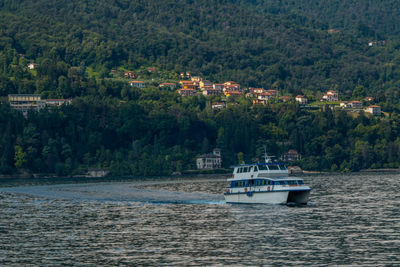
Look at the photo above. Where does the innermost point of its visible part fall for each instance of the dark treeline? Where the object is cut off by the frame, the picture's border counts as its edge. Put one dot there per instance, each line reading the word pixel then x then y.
pixel 147 136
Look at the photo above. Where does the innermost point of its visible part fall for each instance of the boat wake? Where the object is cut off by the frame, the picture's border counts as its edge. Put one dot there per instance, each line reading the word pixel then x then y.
pixel 115 192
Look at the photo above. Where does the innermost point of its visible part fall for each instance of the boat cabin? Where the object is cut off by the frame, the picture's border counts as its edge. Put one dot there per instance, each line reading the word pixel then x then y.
pixel 246 171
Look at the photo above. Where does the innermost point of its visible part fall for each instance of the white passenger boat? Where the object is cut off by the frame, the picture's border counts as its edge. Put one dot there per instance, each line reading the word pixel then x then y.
pixel 267 182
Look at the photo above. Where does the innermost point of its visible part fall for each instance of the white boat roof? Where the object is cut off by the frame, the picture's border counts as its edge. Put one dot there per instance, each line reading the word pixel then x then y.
pixel 258 164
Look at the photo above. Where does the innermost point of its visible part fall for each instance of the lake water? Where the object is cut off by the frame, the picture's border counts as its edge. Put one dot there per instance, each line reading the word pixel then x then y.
pixel 351 220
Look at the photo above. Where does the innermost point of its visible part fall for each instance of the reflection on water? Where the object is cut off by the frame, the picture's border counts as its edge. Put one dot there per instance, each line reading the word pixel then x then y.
pixel 351 220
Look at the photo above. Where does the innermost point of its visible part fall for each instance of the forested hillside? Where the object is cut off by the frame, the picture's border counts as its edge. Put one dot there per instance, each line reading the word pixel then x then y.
pixel 249 42
pixel 370 18
pixel 282 45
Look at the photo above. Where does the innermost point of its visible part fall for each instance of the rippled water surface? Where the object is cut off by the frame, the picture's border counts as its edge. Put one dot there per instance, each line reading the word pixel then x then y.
pixel 352 219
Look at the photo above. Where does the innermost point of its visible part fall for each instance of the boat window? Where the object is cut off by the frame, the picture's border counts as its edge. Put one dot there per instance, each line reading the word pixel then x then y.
pixel 292 182
pixel 273 167
pixel 237 170
pixel 300 181
pixel 240 170
pixel 283 167
pixel 251 167
pixel 255 169
pixel 263 167
pixel 251 182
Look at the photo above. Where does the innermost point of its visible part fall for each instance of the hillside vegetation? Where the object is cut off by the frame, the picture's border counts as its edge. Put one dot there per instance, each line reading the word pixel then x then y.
pixel 283 45
pixel 256 43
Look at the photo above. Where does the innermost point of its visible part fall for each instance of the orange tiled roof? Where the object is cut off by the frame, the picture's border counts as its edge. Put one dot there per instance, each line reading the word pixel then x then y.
pixel 167 84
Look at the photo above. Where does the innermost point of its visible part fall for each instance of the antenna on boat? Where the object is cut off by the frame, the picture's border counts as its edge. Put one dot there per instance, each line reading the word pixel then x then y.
pixel 268 159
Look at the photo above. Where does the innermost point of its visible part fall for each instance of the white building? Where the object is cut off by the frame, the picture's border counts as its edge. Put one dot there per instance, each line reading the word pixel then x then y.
pixel 356 104
pixel 32 66
pixel 218 105
pixel 210 161
pixel 374 110
pixel 301 99
pixel 330 96
pixel 138 84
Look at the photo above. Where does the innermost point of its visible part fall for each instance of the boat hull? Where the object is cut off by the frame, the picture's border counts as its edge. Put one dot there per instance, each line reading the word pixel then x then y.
pixel 271 197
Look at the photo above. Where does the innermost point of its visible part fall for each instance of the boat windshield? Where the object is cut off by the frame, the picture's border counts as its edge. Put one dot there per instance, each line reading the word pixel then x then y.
pixel 273 167
pixel 263 167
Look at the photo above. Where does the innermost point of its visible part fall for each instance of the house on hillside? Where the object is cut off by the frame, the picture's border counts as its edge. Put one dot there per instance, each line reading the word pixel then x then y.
pixel 285 98
pixel 332 31
pixel 207 87
pixel 138 84
pixel 330 96
pixel 32 66
pixel 34 102
pixel 345 104
pixel 97 172
pixel 210 91
pixel 377 43
pixel 188 85
pixel 218 86
pixel 218 105
pixel 273 92
pixel 231 86
pixel 25 102
pixel 255 92
pixel 130 74
pixel 356 104
pixel 196 79
pixel 291 155
pixel 263 97
pixel 204 83
pixel 351 104
pixel 233 94
pixel 301 99
pixel 168 85
pixel 56 102
pixel 210 161
pixel 374 110
pixel 187 92
pixel 185 75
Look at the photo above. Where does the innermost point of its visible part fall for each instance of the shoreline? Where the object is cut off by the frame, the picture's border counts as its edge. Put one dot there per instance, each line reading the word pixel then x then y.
pixel 183 174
